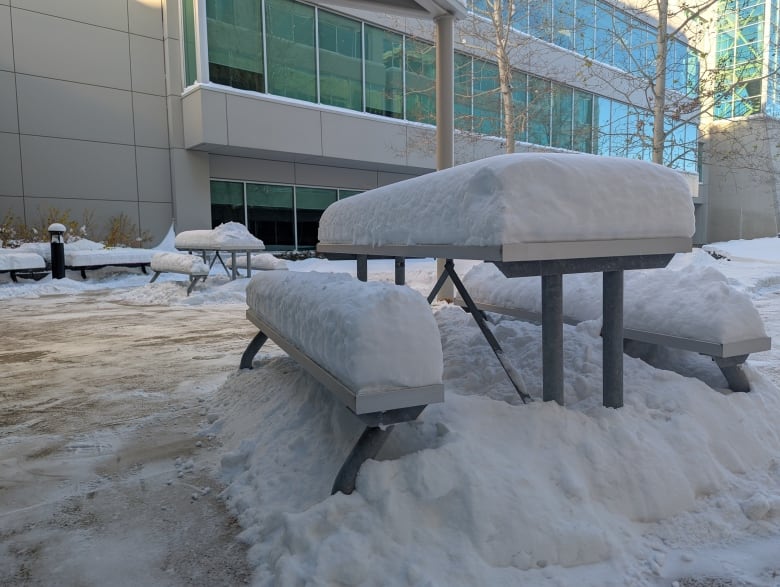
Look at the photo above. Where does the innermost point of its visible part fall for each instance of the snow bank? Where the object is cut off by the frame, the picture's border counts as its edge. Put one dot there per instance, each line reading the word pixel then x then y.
pixel 697 302
pixel 372 336
pixel 261 261
pixel 224 237
pixel 528 197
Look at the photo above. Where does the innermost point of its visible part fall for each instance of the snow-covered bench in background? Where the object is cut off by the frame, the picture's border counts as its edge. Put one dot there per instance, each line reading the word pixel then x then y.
pixel 20 263
pixel 189 265
pixel 87 260
pixel 230 237
pixel 375 346
pixel 694 310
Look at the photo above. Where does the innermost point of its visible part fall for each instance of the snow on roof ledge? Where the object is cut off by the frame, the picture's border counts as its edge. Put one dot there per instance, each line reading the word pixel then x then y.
pixel 519 198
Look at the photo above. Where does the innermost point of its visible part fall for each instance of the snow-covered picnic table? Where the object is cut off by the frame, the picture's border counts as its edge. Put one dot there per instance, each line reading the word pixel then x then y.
pixel 529 214
pixel 230 237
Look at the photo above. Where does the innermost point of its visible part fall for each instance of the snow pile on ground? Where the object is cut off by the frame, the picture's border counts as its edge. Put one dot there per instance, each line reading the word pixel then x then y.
pixel 544 197
pixel 345 326
pixel 696 302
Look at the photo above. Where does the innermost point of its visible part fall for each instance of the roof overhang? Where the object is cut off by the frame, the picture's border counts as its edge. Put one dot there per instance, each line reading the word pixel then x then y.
pixel 425 9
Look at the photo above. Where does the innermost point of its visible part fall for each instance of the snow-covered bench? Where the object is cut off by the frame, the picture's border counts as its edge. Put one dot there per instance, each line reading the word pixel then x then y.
pixel 22 264
pixel 86 260
pixel 375 346
pixel 194 267
pixel 530 214
pixel 230 237
pixel 693 310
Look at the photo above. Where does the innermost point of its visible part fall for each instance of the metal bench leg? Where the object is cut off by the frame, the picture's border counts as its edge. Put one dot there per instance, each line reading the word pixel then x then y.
pixel 251 350
pixel 367 447
pixel 731 367
pixel 400 270
pixel 154 277
pixel 13 276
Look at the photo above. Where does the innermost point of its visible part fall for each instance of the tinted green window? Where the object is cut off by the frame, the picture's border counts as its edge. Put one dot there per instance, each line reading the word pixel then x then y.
pixel 604 37
pixel 561 117
pixel 487 99
pixel 384 72
pixel 520 101
pixel 309 205
pixel 190 62
pixel 539 109
pixel 341 55
pixel 227 202
pixel 585 28
pixel 347 193
pixel 420 82
pixel 270 215
pixel 291 57
pixel 619 130
pixel 540 19
pixel 463 118
pixel 603 115
pixel 235 32
pixel 564 19
pixel 583 122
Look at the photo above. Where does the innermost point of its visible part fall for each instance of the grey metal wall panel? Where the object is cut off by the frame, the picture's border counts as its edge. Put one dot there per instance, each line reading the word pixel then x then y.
pixel 175 122
pixel 246 169
pixel 146 18
pixel 171 19
pixel 363 139
pixel 385 178
pixel 11 206
pixel 340 177
pixel 278 126
pixel 6 46
pixel 154 174
pixel 69 110
pixel 62 49
pixel 78 169
pixel 9 120
pixel 10 165
pixel 191 194
pixel 105 13
pixel 155 218
pixel 173 67
pixel 148 65
pixel 205 118
pixel 151 120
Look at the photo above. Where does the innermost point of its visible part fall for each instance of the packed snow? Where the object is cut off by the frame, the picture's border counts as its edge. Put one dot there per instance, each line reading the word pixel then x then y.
pixel 11 259
pixel 545 197
pixel 696 303
pixel 179 263
pixel 230 235
pixel 358 322
pixel 679 487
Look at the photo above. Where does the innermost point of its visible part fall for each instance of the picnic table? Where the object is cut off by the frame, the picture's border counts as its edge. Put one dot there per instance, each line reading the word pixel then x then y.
pixel 230 237
pixel 529 214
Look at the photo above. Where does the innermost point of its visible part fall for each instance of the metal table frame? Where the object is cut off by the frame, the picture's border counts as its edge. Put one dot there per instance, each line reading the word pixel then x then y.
pixel 550 261
pixel 233 272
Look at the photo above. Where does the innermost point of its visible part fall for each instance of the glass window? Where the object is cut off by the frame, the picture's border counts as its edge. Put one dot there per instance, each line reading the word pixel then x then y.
pixel 586 28
pixel 583 122
pixel 235 34
pixel 563 23
pixel 561 117
pixel 347 193
pixel 309 205
pixel 539 110
pixel 520 101
pixel 190 61
pixel 227 202
pixel 420 81
pixel 540 19
pixel 603 115
pixel 463 75
pixel 290 43
pixel 619 130
pixel 341 61
pixel 270 215
pixel 604 37
pixel 487 99
pixel 620 39
pixel 384 73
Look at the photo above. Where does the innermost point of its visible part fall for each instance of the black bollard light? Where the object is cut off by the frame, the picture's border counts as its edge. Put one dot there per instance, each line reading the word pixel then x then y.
pixel 56 231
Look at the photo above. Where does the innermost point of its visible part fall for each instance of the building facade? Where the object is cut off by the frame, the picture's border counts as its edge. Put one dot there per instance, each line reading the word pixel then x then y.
pixel 198 112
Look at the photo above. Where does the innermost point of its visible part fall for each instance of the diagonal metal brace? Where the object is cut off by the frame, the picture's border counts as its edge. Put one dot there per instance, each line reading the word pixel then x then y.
pixel 514 376
pixel 251 350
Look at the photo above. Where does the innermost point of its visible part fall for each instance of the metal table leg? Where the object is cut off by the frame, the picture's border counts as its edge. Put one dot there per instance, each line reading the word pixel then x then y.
pixel 612 334
pixel 552 338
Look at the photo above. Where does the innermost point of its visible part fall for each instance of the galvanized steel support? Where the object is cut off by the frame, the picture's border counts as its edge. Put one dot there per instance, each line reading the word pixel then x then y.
pixel 612 334
pixel 552 338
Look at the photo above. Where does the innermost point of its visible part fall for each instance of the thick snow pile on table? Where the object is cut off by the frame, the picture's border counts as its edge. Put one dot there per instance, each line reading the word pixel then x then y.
pixel 694 303
pixel 179 263
pixel 528 197
pixel 112 256
pixel 230 235
pixel 372 336
pixel 13 259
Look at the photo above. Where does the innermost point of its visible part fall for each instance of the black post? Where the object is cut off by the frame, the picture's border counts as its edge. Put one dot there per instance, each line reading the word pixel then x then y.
pixel 56 231
pixel 612 334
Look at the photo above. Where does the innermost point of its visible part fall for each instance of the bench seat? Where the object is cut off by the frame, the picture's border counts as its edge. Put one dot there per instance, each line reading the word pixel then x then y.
pixel 374 346
pixel 85 260
pixel 192 266
pixel 694 310
pixel 22 264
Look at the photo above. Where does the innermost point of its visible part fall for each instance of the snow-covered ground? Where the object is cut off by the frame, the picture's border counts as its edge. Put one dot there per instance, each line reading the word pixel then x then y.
pixel 129 439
